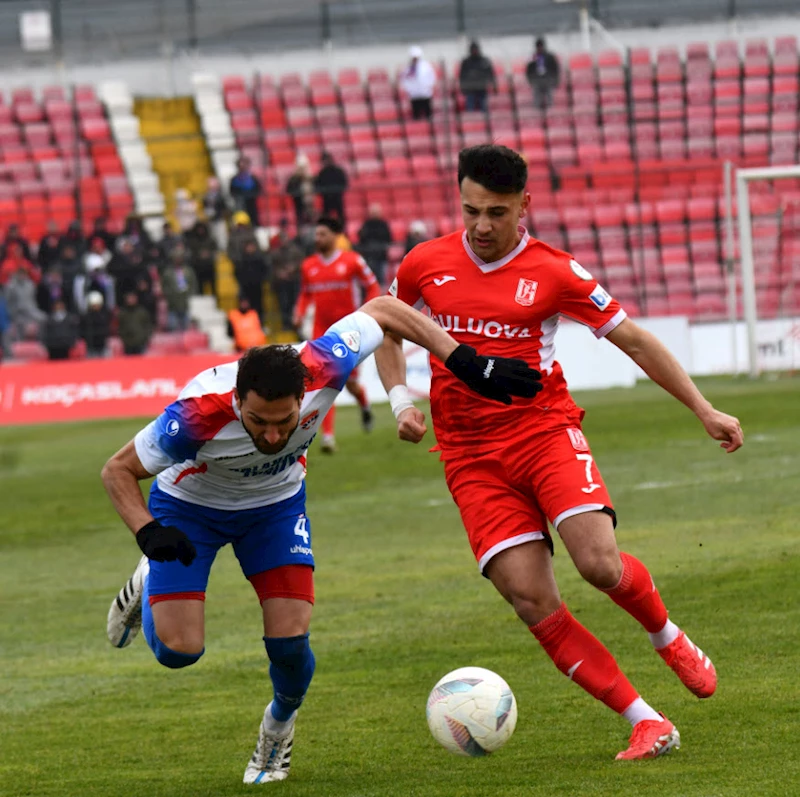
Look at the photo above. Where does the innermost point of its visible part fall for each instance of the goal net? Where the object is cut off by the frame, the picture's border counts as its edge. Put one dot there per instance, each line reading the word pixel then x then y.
pixel 766 208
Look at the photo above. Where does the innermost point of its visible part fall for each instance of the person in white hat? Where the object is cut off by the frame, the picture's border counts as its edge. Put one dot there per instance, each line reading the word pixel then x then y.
pixel 418 81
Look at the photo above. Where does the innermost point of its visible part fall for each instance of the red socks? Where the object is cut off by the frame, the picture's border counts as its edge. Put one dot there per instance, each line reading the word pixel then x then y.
pixel 361 398
pixel 637 594
pixel 329 421
pixel 584 659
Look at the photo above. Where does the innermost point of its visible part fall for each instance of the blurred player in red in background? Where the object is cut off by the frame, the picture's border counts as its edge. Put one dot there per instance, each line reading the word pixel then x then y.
pixel 333 280
pixel 511 469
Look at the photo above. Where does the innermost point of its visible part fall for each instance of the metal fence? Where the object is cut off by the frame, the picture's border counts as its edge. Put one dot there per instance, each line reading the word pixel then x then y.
pixel 86 31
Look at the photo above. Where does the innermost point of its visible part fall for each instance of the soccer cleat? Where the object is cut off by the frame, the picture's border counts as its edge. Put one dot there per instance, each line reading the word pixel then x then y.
pixel 651 738
pixel 328 444
pixel 691 665
pixel 273 755
pixel 125 614
pixel 366 418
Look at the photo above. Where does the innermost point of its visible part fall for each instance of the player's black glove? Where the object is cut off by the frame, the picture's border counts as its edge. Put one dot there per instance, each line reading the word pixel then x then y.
pixel 165 543
pixel 497 378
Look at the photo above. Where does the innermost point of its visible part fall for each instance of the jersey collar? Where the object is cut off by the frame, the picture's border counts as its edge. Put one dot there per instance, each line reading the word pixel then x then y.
pixel 487 268
pixel 326 261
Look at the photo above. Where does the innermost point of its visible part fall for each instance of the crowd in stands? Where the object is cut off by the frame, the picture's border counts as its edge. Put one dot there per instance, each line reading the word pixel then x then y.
pixel 76 293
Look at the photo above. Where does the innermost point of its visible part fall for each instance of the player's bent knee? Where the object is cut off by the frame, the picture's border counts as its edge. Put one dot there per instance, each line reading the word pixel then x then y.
pixel 533 610
pixel 601 570
pixel 175 659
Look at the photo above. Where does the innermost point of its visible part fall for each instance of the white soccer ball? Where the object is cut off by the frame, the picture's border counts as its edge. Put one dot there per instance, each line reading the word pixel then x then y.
pixel 472 711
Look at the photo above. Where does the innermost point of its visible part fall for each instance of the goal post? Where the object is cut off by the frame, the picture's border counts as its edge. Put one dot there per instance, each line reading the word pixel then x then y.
pixel 744 177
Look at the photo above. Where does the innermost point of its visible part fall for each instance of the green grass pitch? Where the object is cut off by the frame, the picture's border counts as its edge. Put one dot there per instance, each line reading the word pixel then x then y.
pixel 400 603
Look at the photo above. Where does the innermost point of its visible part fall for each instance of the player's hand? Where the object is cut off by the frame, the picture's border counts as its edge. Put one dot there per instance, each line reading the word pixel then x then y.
pixel 497 378
pixel 165 543
pixel 725 428
pixel 411 425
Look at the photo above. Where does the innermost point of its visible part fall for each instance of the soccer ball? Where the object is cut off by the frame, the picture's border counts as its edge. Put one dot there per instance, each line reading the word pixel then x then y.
pixel 471 711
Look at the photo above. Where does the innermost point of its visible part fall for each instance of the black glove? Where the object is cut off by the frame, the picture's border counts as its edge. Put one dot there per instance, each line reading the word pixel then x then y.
pixel 165 543
pixel 497 378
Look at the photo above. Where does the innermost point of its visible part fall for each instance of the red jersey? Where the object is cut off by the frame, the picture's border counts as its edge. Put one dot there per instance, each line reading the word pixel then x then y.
pixel 332 286
pixel 509 308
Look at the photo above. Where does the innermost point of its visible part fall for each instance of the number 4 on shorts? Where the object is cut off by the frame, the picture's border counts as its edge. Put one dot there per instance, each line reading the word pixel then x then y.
pixel 300 528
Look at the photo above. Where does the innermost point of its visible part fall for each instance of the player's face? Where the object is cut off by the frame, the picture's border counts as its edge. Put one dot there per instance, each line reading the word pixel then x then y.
pixel 269 423
pixel 324 239
pixel 491 219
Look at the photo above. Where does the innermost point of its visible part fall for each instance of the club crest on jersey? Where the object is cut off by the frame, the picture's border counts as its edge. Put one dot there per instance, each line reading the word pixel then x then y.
pixel 310 419
pixel 339 350
pixel 173 427
pixel 352 340
pixel 526 292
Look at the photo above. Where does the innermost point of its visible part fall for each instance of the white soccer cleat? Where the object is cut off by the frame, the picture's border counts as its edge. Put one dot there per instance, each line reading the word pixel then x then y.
pixel 272 756
pixel 125 614
pixel 328 444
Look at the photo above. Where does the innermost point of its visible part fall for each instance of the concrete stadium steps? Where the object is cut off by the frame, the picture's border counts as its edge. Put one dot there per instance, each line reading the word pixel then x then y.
pixel 173 137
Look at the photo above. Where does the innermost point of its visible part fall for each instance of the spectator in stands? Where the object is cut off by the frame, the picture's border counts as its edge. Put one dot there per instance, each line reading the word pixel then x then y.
pixel 13 236
pixel 245 188
pixel 251 273
pixel 418 81
pixel 169 240
pixel 331 184
pixel 5 324
pixel 147 296
pixel 286 256
pixel 241 233
pixel 135 326
pixel 300 187
pixel 185 210
pixel 178 283
pixel 475 78
pixel 543 72
pixel 124 269
pixel 202 256
pixel 98 246
pixel 96 279
pixel 70 264
pixel 73 238
pixel 48 247
pixel 16 259
pixel 24 316
pixel 134 232
pixel 100 230
pixel 244 326
pixel 417 233
pixel 374 240
pixel 60 332
pixel 96 324
pixel 215 208
pixel 51 290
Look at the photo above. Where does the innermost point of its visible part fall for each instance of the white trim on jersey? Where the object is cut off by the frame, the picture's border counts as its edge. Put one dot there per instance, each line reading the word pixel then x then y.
pixel 576 510
pixel 487 268
pixel 327 261
pixel 512 542
pixel 620 316
pixel 547 343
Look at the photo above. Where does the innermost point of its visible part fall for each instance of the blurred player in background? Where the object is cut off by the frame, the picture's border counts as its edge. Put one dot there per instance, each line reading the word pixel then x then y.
pixel 512 469
pixel 230 455
pixel 333 281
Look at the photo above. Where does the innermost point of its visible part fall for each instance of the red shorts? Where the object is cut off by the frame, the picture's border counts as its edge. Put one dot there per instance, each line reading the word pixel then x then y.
pixel 506 498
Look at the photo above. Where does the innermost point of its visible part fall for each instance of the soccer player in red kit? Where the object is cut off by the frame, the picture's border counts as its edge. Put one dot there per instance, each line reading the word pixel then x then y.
pixel 332 280
pixel 511 469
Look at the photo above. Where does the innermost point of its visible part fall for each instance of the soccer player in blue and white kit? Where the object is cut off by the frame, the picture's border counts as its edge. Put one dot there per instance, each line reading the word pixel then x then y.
pixel 230 459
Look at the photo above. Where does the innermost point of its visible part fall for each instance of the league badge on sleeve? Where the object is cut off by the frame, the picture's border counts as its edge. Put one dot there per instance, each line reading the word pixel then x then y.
pixel 579 271
pixel 600 298
pixel 352 340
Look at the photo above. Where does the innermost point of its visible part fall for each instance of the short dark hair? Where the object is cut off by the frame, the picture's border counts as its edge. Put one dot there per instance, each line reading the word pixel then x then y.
pixel 273 372
pixel 334 225
pixel 496 168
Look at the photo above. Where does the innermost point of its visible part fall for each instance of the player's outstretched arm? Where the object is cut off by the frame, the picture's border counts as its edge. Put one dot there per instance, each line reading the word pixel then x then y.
pixel 121 476
pixel 496 378
pixel 655 359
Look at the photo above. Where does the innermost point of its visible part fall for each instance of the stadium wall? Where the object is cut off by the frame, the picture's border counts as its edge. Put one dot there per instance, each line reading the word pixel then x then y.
pixel 127 387
pixel 171 75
